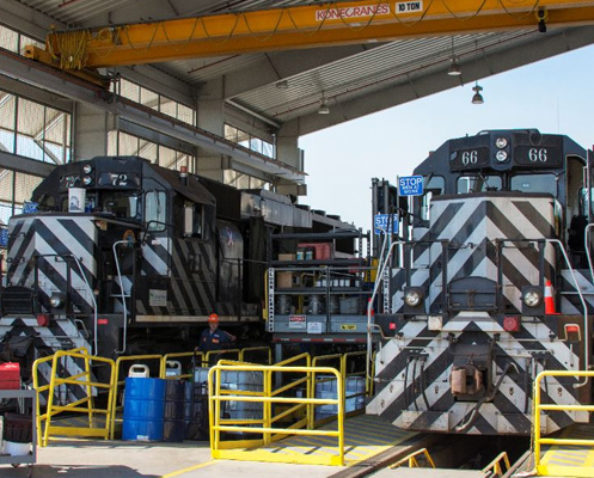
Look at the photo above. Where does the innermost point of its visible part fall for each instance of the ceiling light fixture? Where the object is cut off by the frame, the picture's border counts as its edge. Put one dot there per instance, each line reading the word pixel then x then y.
pixel 477 98
pixel 324 109
pixel 454 69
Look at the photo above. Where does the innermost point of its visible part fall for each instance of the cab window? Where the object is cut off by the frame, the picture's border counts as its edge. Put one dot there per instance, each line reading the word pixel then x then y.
pixel 193 220
pixel 433 186
pixel 534 183
pixel 478 183
pixel 155 211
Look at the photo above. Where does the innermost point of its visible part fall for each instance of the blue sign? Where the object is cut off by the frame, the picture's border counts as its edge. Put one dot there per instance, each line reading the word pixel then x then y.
pixel 30 207
pixel 3 237
pixel 380 223
pixel 410 186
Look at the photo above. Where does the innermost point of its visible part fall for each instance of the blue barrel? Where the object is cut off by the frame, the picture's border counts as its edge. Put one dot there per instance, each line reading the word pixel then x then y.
pixel 174 416
pixel 144 404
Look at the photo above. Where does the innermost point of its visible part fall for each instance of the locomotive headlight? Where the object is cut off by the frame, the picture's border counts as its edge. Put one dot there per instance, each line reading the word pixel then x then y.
pixel 56 301
pixel 412 297
pixel 531 298
pixel 87 169
pixel 87 180
pixel 501 156
pixel 501 142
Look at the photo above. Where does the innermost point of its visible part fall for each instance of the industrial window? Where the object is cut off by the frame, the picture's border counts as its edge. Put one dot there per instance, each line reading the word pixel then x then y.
pixel 15 190
pixel 152 99
pixel 34 130
pixel 242 181
pixel 124 144
pixel 254 143
pixel 15 41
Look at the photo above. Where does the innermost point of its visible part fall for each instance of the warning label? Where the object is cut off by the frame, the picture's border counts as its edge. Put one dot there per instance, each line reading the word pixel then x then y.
pixel 297 322
pixel 408 7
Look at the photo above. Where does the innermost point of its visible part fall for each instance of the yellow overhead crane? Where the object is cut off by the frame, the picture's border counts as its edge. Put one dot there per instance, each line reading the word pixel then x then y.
pixel 323 24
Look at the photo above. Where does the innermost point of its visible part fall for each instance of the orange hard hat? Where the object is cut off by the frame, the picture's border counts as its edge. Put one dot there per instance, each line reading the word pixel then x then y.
pixel 213 318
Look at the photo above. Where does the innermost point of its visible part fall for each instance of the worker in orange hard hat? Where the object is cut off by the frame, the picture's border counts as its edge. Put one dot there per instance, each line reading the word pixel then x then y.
pixel 214 338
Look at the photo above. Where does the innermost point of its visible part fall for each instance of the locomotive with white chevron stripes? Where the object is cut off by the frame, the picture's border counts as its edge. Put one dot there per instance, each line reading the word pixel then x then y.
pixel 126 257
pixel 497 237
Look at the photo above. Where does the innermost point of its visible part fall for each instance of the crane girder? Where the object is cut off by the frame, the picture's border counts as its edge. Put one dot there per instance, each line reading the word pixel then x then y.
pixel 299 27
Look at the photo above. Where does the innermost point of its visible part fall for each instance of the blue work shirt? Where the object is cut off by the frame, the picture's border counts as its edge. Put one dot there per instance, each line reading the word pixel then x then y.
pixel 214 340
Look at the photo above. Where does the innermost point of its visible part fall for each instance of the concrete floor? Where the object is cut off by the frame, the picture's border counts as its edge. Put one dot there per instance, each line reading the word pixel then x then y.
pixel 99 459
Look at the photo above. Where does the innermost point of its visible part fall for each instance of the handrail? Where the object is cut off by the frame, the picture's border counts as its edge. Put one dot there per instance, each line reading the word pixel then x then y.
pixel 494 468
pixel 220 449
pixel 537 441
pixel 412 461
pixel 167 357
pixel 86 383
pixel 376 286
pixel 583 301
pixel 206 357
pixel 123 295
pixel 243 351
pixel 95 311
pixel 587 248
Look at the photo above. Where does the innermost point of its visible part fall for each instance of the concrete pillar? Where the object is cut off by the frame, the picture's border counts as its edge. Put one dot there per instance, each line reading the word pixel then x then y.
pixel 288 152
pixel 211 117
pixel 90 131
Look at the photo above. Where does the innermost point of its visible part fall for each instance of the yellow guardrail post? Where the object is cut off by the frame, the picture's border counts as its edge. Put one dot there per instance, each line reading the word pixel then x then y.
pixel 244 350
pixel 495 468
pixel 84 405
pixel 210 353
pixel 199 359
pixel 411 459
pixel 550 469
pixel 267 398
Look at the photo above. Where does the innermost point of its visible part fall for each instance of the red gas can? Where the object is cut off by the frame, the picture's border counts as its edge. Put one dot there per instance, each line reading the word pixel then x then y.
pixel 10 376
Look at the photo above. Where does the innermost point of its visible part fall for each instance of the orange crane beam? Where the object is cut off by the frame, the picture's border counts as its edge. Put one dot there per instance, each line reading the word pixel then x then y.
pixel 300 27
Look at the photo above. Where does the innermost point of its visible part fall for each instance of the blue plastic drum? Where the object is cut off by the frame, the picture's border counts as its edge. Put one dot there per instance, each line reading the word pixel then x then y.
pixel 144 404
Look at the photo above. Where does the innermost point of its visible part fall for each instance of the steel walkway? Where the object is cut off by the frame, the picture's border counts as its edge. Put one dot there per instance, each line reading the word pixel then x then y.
pixel 365 436
pixel 570 461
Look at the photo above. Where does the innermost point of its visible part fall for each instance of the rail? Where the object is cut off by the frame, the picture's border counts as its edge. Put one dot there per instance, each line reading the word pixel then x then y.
pixel 83 380
pixel 243 352
pixel 411 459
pixel 495 468
pixel 551 469
pixel 235 449
pixel 195 356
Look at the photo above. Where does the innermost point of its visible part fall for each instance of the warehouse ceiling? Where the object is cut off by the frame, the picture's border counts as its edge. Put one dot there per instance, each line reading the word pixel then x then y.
pixel 286 88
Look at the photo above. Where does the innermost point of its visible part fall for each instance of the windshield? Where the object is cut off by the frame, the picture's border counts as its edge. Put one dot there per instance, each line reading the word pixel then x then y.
pixel 534 183
pixel 125 205
pixel 478 183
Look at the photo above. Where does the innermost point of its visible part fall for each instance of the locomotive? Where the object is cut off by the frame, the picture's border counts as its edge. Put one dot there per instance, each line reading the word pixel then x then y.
pixel 498 236
pixel 125 257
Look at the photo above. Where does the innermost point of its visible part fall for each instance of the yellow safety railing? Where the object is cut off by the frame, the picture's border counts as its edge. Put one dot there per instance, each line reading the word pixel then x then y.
pixel 328 360
pixel 411 459
pixel 41 389
pixel 117 404
pixel 495 468
pixel 235 449
pixel 551 469
pixel 195 356
pixel 250 350
pixel 208 356
pixel 307 410
pixel 84 381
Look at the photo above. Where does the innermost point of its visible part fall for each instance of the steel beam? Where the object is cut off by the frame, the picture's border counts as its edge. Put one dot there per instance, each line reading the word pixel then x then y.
pixel 421 84
pixel 22 164
pixel 301 27
pixel 37 74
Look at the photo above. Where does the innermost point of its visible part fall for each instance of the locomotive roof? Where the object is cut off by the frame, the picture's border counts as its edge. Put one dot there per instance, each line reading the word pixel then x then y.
pixel 438 161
